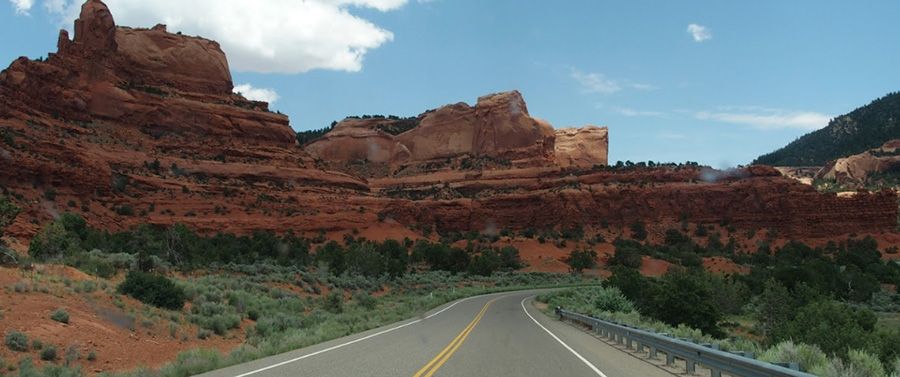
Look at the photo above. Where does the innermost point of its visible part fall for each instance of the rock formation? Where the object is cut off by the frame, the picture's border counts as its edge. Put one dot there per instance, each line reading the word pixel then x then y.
pixel 497 127
pixel 128 126
pixel 582 147
pixel 145 78
pixel 859 167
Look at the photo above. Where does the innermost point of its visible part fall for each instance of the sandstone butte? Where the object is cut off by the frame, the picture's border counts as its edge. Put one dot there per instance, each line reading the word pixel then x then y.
pixel 127 126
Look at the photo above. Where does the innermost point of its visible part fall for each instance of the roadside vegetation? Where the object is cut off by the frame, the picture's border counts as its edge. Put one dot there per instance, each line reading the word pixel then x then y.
pixel 273 292
pixel 817 306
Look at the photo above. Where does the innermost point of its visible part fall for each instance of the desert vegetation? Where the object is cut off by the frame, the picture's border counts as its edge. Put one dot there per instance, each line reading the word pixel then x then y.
pixel 273 293
pixel 816 306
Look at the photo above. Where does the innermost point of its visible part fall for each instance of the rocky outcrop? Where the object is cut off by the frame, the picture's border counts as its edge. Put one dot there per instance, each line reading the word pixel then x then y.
pixel 497 127
pixel 755 199
pixel 149 79
pixel 582 147
pixel 95 29
pixel 143 128
pixel 858 168
pixel 360 140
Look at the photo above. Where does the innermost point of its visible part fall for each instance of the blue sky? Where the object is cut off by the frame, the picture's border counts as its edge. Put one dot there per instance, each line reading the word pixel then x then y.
pixel 747 78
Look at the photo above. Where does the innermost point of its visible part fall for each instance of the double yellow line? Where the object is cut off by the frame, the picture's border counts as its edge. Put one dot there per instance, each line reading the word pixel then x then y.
pixel 429 369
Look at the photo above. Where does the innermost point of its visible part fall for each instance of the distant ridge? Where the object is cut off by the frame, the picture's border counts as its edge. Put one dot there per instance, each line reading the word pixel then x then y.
pixel 862 129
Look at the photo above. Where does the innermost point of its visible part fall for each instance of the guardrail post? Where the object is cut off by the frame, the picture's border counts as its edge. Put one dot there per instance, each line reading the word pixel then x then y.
pixel 628 343
pixel 640 347
pixel 715 373
pixel 670 359
pixel 690 367
pixel 652 352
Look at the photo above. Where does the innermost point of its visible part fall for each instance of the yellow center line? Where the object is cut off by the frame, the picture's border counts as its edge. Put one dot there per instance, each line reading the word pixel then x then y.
pixel 429 369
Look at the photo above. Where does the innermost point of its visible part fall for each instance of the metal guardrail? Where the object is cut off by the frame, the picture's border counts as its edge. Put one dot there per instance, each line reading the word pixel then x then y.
pixel 717 361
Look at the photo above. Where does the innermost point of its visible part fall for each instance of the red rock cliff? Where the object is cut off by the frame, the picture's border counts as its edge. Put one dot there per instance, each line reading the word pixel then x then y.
pixel 497 127
pixel 129 126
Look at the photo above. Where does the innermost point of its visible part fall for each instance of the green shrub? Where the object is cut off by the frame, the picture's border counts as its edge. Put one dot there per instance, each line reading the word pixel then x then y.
pixel 833 326
pixel 48 353
pixel 153 289
pixel 365 300
pixel 60 315
pixel 124 210
pixel 581 259
pixel 612 300
pixel 8 212
pixel 54 242
pixel 626 255
pixel 808 357
pixel 276 324
pixel 589 300
pixel 334 302
pixel 16 341
pixel 858 364
pixel 866 362
pixel 92 356
pixel 204 334
pixel 638 231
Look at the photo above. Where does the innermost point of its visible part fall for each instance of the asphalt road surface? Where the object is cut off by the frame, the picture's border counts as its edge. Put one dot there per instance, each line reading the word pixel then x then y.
pixel 494 335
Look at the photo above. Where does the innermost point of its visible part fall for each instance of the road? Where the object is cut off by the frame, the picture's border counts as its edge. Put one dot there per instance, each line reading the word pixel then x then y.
pixel 494 335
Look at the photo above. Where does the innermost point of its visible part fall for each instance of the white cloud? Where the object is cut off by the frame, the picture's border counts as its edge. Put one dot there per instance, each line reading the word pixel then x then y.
pixel 595 82
pixel 699 33
pixel 55 6
pixel 640 86
pixel 256 94
pixel 636 113
pixel 768 119
pixel 592 82
pixel 666 135
pixel 22 6
pixel 271 36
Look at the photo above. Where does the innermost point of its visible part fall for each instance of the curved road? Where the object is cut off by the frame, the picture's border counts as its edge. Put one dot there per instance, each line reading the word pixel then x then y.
pixel 498 335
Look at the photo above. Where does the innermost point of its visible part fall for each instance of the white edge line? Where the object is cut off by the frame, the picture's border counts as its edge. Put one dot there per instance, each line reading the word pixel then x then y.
pixel 370 336
pixel 588 363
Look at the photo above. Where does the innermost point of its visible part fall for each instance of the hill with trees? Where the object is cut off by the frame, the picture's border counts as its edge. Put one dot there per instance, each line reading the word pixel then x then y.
pixel 862 129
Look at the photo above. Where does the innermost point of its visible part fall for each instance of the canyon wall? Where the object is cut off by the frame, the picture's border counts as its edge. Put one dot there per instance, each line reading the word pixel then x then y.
pixel 126 126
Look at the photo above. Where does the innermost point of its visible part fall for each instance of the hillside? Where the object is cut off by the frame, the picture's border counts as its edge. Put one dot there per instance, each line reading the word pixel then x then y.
pixel 862 129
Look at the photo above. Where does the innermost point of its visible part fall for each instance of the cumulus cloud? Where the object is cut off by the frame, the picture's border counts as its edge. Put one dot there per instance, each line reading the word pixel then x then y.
pixel 768 119
pixel 271 36
pixel 700 33
pixel 257 94
pixel 22 6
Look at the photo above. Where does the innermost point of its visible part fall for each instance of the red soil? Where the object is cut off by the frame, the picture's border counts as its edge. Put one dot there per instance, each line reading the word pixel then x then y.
pixel 95 323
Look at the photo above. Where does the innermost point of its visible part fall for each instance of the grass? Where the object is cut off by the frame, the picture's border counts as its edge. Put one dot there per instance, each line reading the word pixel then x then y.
pixel 888 321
